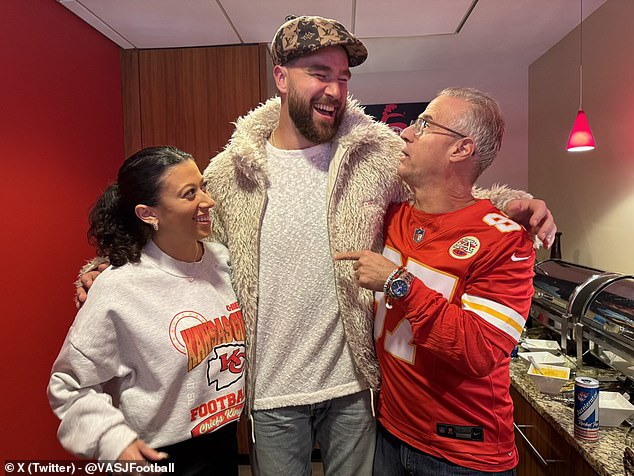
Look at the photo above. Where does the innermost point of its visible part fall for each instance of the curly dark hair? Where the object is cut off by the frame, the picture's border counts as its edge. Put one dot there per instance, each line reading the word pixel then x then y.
pixel 115 230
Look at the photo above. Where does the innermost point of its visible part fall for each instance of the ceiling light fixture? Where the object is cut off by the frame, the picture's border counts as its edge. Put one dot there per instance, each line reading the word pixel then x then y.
pixel 581 138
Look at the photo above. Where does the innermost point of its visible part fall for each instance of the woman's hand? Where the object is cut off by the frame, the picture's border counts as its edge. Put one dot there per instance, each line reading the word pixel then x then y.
pixel 138 450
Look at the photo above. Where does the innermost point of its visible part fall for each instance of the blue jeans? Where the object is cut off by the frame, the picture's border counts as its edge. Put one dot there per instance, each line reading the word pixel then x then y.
pixel 344 428
pixel 395 458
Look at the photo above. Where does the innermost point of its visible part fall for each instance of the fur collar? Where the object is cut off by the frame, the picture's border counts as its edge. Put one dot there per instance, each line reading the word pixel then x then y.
pixel 247 147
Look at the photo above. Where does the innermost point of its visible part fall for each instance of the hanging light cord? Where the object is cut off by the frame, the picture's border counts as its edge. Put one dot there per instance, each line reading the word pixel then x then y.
pixel 581 57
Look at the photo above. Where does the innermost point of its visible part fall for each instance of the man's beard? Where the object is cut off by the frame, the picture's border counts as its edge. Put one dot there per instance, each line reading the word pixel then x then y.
pixel 301 113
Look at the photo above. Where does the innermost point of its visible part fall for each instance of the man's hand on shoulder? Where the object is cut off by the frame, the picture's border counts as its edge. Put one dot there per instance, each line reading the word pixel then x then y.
pixel 535 216
pixel 84 283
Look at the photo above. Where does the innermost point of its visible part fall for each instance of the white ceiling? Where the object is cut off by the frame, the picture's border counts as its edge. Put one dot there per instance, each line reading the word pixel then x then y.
pixel 408 35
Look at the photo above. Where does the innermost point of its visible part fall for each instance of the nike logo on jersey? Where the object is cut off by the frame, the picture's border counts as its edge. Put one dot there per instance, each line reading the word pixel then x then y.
pixel 518 258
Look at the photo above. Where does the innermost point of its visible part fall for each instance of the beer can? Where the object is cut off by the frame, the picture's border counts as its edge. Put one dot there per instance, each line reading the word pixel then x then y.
pixel 586 408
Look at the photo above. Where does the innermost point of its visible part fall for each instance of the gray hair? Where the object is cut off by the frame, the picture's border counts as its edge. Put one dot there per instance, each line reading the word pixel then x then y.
pixel 483 122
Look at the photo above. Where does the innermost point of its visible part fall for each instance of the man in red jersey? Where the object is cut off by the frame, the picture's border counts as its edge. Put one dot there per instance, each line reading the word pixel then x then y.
pixel 454 287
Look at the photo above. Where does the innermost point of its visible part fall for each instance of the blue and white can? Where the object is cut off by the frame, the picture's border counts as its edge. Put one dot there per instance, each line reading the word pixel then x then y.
pixel 586 408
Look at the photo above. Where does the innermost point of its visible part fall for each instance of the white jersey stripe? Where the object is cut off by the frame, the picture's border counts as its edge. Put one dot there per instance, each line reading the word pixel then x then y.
pixel 499 315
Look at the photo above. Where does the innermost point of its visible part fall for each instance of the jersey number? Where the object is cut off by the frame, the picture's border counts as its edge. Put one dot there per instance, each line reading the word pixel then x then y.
pixel 502 223
pixel 399 342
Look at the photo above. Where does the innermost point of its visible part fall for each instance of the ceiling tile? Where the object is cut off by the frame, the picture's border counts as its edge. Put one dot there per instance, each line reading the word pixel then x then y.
pixel 409 35
pixel 378 18
pixel 165 23
pixel 254 20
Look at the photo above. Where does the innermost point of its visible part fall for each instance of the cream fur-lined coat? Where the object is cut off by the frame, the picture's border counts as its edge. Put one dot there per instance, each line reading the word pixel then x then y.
pixel 362 184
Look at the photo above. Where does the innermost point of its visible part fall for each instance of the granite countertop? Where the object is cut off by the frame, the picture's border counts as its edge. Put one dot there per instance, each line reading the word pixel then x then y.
pixel 606 454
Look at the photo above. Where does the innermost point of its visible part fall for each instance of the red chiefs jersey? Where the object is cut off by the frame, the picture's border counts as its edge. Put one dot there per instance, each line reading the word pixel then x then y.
pixel 444 349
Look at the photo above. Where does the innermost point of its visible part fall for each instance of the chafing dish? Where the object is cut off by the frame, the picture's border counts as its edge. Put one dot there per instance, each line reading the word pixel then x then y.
pixel 555 282
pixel 587 306
pixel 603 311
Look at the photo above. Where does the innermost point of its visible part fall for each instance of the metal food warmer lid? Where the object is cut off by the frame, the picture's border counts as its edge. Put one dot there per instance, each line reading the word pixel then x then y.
pixel 554 283
pixel 605 307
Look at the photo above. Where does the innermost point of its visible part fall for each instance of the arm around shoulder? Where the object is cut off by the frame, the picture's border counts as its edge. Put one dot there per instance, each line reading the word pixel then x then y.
pixel 500 195
pixel 533 214
pixel 87 274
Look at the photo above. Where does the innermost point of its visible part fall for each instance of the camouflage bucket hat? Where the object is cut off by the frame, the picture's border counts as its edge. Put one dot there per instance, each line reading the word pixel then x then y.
pixel 306 34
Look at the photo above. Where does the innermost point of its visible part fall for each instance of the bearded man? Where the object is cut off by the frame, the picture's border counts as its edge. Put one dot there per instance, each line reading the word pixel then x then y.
pixel 305 176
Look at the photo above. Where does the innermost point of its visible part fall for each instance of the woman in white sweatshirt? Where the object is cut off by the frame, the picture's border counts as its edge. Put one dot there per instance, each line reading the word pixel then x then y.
pixel 152 367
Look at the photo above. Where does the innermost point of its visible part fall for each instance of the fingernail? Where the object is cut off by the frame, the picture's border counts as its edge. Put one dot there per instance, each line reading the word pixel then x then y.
pixel 163 455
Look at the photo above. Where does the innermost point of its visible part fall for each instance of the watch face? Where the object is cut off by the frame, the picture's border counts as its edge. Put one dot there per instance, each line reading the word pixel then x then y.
pixel 399 288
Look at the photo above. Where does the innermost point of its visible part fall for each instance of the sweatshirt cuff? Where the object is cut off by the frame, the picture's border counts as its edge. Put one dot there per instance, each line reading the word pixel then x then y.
pixel 117 439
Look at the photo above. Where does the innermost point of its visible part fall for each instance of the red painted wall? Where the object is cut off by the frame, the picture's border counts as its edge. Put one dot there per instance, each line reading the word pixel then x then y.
pixel 61 141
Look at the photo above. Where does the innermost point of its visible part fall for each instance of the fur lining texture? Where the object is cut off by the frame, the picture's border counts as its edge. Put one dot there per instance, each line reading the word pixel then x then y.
pixel 88 267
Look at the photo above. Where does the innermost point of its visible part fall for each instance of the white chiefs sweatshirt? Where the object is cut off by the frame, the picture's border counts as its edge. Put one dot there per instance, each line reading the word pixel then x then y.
pixel 156 352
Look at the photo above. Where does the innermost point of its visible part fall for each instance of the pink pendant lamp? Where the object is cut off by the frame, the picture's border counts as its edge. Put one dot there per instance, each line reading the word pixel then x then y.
pixel 580 136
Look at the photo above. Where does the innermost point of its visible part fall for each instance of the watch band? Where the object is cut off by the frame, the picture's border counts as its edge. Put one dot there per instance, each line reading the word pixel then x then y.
pixel 393 275
pixel 400 286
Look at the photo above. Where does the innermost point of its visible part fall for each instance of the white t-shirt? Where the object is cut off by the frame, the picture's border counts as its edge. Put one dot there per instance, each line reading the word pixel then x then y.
pixel 302 356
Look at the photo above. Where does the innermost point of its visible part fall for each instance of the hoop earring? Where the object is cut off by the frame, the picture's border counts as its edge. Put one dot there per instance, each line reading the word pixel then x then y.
pixel 155 225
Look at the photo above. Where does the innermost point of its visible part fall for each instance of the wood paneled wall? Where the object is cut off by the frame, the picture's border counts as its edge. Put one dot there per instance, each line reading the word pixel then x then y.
pixel 189 97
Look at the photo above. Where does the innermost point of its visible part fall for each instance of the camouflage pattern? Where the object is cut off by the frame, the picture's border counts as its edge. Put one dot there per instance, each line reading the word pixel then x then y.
pixel 306 34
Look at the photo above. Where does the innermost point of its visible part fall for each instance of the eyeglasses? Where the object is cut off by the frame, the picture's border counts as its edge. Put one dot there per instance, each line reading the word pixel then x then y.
pixel 420 124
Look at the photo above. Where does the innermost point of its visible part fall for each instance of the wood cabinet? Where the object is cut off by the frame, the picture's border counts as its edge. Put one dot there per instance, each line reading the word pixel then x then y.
pixel 190 97
pixel 543 451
